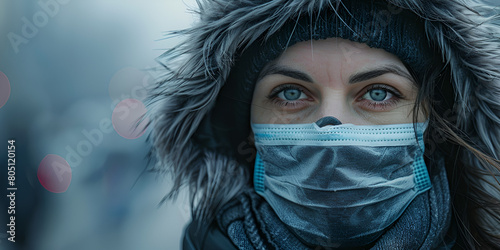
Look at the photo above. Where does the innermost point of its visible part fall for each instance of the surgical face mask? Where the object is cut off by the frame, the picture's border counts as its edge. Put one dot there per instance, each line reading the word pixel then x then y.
pixel 343 185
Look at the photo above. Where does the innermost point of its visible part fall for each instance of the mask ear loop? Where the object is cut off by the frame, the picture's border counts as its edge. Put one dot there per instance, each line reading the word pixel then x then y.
pixel 422 179
pixel 258 178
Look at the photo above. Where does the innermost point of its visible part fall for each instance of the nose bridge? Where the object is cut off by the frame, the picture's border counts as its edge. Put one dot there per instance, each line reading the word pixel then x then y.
pixel 335 106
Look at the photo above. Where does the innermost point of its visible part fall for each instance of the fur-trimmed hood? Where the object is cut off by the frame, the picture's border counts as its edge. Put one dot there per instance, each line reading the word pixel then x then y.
pixel 462 33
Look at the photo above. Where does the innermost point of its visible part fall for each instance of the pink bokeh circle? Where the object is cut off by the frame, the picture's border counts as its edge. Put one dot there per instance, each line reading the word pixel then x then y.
pixel 126 118
pixel 4 89
pixel 54 173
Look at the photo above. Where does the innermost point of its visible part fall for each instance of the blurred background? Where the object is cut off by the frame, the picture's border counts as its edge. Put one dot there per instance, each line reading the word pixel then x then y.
pixel 72 83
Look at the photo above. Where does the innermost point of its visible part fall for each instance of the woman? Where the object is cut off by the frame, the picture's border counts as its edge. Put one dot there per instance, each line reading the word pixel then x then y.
pixel 334 124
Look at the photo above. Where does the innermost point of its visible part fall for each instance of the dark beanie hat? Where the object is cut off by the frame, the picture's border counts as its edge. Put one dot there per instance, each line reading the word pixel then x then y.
pixel 377 24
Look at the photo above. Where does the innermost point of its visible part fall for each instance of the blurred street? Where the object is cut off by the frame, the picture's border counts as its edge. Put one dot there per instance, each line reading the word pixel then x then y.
pixel 73 77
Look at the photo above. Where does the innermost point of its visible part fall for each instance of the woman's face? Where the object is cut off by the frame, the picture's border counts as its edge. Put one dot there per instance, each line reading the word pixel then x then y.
pixel 334 77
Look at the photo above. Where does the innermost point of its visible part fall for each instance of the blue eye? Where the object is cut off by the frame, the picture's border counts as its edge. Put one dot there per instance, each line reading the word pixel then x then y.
pixel 291 94
pixel 377 95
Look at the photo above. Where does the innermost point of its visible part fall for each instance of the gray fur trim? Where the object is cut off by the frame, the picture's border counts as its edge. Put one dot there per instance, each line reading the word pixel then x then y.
pixel 196 70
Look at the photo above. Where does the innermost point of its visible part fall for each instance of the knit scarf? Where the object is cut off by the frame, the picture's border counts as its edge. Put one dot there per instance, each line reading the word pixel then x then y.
pixel 250 222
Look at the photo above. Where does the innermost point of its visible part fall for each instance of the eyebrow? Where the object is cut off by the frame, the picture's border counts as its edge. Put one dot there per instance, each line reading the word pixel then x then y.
pixel 376 72
pixel 286 71
pixel 358 77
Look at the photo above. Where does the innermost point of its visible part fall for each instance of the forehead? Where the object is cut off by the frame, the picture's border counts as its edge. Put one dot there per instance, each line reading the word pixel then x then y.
pixel 335 53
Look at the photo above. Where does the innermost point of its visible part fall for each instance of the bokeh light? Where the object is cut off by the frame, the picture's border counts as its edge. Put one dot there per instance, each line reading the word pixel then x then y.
pixel 54 173
pixel 126 117
pixel 4 89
